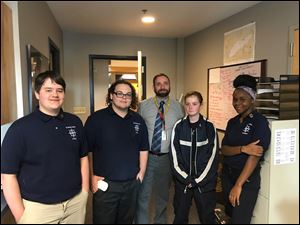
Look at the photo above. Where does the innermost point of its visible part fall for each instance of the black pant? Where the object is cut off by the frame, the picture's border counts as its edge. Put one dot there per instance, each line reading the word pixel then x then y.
pixel 117 204
pixel 205 203
pixel 241 214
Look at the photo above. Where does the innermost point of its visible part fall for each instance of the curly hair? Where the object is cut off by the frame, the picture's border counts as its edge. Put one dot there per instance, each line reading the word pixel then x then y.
pixel 245 80
pixel 111 90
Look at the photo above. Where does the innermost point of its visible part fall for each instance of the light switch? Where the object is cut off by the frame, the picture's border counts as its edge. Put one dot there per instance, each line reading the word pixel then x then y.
pixel 79 110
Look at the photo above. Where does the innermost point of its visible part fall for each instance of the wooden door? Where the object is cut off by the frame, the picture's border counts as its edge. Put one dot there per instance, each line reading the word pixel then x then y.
pixel 8 82
pixel 295 64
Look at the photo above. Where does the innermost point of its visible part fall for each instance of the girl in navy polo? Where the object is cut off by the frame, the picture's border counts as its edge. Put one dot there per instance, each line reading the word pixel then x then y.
pixel 247 137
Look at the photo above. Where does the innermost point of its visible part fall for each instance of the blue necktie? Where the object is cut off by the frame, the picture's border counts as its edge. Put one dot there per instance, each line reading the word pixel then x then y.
pixel 156 140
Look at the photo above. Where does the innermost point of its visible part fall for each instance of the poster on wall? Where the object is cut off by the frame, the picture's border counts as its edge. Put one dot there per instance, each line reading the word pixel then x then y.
pixel 239 45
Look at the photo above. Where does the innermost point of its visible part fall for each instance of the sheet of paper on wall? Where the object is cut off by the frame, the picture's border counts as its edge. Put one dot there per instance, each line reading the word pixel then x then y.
pixel 239 45
pixel 285 146
pixel 214 76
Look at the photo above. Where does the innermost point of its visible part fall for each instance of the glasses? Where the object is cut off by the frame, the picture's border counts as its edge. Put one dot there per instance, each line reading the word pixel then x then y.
pixel 120 94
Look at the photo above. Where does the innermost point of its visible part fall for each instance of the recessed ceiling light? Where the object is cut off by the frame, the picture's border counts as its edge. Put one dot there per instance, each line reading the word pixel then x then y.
pixel 147 18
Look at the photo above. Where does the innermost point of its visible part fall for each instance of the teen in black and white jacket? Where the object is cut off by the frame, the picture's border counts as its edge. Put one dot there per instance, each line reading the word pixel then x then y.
pixel 194 161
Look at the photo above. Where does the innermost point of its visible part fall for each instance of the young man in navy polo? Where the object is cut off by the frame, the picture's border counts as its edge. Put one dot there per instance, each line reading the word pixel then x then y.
pixel 44 163
pixel 118 141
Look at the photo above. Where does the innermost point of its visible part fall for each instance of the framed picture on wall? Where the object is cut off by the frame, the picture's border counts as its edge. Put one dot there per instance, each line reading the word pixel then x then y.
pixel 36 63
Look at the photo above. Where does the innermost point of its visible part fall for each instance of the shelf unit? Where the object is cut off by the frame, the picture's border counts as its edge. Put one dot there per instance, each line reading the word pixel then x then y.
pixel 267 99
pixel 278 99
pixel 278 198
pixel 289 97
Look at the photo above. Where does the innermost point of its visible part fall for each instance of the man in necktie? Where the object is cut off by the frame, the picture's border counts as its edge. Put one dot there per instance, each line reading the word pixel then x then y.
pixel 160 114
pixel 159 128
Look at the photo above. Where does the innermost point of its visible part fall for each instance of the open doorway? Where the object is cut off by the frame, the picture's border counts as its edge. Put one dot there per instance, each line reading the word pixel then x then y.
pixel 106 69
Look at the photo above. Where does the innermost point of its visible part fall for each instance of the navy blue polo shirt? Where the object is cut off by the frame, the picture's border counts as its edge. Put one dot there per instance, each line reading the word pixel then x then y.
pixel 255 126
pixel 45 151
pixel 116 143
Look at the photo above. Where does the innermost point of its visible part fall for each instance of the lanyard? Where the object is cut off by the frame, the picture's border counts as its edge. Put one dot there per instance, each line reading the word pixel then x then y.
pixel 162 115
pixel 157 106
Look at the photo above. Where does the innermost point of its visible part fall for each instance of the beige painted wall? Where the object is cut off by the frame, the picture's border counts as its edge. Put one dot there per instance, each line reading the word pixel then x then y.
pixel 160 57
pixel 37 24
pixel 195 53
pixel 204 49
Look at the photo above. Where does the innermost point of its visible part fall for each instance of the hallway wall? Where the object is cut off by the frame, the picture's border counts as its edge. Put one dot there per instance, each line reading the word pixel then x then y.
pixel 204 49
pixel 161 56
pixel 36 24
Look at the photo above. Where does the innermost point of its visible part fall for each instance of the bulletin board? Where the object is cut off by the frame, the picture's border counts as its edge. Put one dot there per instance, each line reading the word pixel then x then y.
pixel 220 89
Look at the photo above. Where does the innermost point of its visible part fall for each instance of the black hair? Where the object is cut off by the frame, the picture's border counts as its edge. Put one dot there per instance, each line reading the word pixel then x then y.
pixel 111 90
pixel 42 77
pixel 245 80
pixel 160 75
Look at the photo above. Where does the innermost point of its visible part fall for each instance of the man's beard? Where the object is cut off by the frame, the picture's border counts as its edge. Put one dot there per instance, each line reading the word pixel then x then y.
pixel 163 94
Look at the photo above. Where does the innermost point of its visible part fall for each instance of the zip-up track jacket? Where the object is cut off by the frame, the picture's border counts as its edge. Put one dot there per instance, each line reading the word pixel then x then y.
pixel 206 153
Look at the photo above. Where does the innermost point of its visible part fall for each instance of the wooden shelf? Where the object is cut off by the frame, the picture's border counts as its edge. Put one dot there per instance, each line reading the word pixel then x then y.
pixel 267 108
pixel 267 90
pixel 289 97
pixel 279 99
pixel 267 100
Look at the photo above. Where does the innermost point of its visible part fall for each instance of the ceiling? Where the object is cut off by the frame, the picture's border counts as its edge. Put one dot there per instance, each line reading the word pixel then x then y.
pixel 174 19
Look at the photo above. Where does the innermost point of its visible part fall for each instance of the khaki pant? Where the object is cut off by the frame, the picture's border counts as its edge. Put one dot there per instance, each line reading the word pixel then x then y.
pixel 71 211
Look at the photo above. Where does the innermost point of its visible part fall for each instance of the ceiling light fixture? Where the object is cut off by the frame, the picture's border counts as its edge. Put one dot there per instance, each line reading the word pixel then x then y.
pixel 147 18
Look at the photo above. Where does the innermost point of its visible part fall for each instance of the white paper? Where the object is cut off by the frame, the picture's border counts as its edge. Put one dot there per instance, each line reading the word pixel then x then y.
pixel 285 146
pixel 164 135
pixel 102 185
pixel 214 75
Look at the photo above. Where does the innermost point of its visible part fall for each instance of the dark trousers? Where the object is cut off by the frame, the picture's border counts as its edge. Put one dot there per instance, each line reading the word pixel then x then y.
pixel 241 214
pixel 205 203
pixel 117 204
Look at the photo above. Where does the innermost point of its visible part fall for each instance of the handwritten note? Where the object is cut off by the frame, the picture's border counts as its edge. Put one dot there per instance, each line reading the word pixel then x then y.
pixel 220 90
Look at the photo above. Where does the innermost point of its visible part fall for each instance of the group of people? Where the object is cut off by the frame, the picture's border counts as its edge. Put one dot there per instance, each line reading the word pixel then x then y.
pixel 50 161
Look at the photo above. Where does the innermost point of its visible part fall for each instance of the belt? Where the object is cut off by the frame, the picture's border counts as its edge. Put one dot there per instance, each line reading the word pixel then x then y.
pixel 157 154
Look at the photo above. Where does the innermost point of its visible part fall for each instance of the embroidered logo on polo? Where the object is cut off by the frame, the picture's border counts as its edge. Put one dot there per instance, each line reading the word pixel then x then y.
pixel 136 126
pixel 72 132
pixel 247 129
